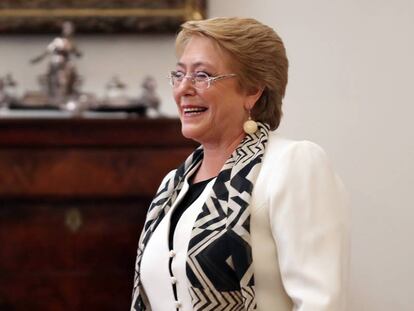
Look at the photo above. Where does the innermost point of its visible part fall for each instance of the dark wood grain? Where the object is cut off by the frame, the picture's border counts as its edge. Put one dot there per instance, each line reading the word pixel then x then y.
pixel 85 172
pixel 133 132
pixel 103 171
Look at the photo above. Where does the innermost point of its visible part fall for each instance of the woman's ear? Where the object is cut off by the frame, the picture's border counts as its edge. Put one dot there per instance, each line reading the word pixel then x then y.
pixel 253 96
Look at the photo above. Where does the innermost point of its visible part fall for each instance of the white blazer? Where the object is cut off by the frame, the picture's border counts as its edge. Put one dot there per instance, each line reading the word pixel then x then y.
pixel 299 231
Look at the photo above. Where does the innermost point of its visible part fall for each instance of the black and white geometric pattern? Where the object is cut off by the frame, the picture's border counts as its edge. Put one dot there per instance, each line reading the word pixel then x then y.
pixel 219 264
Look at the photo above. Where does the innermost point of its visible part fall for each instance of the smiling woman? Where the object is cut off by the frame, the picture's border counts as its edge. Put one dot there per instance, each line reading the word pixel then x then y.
pixel 250 220
pixel 43 16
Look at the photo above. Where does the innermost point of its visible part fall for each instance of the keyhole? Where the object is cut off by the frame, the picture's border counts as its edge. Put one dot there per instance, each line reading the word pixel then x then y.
pixel 73 219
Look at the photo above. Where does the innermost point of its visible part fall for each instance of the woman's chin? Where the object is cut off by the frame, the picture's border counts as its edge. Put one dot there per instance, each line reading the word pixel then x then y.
pixel 191 131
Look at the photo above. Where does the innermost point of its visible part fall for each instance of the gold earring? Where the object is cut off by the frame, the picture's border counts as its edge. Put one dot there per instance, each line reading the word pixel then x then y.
pixel 250 126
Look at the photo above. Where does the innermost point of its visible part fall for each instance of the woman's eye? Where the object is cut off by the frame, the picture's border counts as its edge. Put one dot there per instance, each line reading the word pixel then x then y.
pixel 179 74
pixel 201 75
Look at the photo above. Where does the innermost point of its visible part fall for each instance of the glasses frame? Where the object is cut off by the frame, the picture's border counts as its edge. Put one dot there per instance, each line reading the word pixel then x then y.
pixel 192 78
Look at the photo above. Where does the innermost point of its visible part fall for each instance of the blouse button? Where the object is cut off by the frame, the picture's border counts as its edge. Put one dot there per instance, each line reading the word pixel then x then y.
pixel 177 304
pixel 172 253
pixel 173 280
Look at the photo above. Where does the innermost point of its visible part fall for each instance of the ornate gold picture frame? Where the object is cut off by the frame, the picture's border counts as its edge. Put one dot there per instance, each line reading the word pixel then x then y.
pixel 98 16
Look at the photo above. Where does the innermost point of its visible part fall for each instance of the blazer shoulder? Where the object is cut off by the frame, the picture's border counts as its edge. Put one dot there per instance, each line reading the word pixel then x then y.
pixel 279 146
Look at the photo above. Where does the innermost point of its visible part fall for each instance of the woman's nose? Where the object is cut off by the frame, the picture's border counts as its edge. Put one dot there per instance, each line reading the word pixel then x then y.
pixel 186 86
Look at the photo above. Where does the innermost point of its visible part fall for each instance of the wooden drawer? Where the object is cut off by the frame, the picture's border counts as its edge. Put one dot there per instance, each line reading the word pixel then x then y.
pixel 73 199
pixel 85 172
pixel 84 249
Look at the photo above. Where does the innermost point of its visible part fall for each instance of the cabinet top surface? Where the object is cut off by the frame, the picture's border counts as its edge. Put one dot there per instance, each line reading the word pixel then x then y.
pixel 27 132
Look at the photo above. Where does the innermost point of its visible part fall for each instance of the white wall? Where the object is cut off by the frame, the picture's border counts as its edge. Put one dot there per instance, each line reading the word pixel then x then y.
pixel 350 90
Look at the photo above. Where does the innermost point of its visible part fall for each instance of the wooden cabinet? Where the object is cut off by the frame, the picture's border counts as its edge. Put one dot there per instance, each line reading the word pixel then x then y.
pixel 73 198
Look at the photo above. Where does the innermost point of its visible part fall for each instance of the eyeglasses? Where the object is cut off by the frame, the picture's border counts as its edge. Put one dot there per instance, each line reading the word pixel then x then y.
pixel 200 80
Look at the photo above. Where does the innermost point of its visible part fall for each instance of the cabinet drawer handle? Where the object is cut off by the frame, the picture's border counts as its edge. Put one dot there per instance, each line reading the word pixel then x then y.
pixel 73 219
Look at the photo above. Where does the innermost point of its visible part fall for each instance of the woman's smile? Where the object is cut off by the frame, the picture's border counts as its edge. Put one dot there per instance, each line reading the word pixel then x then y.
pixel 190 111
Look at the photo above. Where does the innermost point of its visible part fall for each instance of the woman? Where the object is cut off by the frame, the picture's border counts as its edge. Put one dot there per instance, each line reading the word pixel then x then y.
pixel 250 221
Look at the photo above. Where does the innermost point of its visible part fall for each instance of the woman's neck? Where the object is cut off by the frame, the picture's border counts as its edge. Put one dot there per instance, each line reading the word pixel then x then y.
pixel 215 155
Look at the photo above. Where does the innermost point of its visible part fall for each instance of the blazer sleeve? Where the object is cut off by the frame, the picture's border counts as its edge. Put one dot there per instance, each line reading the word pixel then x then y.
pixel 310 225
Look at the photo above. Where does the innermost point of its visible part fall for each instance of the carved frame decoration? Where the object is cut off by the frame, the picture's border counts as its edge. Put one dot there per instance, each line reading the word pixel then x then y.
pixel 98 16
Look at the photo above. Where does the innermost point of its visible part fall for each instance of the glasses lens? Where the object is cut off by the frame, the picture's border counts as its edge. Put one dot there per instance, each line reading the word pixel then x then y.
pixel 171 79
pixel 201 80
pixel 176 77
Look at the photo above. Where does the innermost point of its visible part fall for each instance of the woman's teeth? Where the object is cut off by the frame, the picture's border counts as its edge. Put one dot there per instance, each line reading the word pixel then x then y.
pixel 193 111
